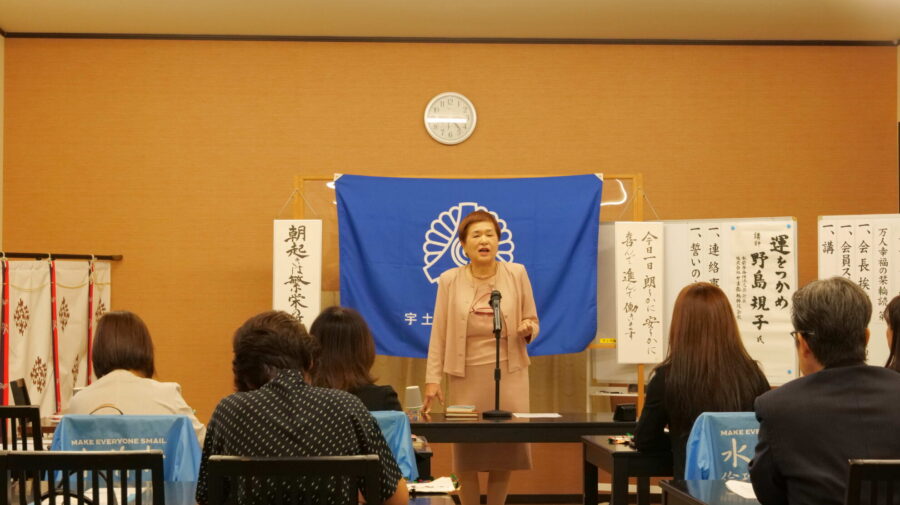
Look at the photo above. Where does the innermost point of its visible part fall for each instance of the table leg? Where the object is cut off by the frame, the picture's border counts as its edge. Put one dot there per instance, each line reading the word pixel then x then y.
pixel 643 491
pixel 619 491
pixel 589 479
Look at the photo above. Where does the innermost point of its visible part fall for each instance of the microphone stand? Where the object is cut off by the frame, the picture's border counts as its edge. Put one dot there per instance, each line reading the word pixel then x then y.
pixel 496 413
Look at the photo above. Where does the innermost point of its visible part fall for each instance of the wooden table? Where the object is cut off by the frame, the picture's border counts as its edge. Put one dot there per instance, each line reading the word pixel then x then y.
pixel 570 427
pixel 622 462
pixel 700 492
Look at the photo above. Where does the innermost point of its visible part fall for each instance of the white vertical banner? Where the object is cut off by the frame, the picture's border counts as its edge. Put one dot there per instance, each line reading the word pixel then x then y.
pixel 72 320
pixel 765 257
pixel 829 248
pixel 297 268
pixel 861 270
pixel 30 333
pixel 639 260
pixel 846 249
pixel 868 253
pixel 101 302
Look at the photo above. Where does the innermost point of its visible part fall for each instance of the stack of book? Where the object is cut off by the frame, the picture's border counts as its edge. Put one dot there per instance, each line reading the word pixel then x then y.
pixel 460 412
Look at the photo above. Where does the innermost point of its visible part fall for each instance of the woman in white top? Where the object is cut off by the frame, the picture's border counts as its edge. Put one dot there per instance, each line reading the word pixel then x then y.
pixel 123 362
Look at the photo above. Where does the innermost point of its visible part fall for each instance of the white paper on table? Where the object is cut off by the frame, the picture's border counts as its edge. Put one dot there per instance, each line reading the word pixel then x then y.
pixel 741 488
pixel 535 415
pixel 439 485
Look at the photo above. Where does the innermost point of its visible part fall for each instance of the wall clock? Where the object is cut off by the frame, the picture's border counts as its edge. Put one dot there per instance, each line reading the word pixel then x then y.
pixel 450 118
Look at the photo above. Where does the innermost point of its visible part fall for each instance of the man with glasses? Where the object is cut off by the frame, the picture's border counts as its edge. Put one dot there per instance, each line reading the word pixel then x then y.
pixel 840 409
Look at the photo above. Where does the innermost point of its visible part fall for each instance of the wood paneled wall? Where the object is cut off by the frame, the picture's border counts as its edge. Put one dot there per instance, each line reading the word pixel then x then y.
pixel 178 154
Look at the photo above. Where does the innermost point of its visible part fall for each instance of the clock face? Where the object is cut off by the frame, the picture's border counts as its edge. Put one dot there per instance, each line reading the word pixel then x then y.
pixel 450 118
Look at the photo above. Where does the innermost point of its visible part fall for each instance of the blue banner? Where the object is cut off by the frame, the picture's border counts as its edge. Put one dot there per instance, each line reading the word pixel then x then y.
pixel 397 235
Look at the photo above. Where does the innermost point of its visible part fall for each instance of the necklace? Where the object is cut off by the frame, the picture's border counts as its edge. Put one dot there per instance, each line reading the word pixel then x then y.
pixel 481 277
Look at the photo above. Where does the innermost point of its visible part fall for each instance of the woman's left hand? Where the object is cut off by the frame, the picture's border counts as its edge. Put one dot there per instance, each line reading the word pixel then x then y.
pixel 524 330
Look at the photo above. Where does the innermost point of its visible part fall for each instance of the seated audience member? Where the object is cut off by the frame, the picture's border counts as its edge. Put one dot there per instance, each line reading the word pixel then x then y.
pixel 840 409
pixel 276 412
pixel 346 355
pixel 892 318
pixel 123 362
pixel 707 370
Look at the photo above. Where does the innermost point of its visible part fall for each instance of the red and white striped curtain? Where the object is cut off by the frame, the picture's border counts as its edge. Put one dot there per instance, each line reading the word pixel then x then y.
pixel 50 309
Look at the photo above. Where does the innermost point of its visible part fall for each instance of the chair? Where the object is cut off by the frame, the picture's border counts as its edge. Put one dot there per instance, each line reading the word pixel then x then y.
pixel 80 474
pixel 19 392
pixel 873 482
pixel 395 428
pixel 721 445
pixel 293 480
pixel 174 435
pixel 20 423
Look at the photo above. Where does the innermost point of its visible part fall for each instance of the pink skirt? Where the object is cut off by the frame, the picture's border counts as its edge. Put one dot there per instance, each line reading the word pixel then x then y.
pixel 477 388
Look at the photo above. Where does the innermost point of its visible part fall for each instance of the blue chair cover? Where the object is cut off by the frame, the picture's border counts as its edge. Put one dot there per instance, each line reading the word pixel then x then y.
pixel 395 427
pixel 171 434
pixel 720 446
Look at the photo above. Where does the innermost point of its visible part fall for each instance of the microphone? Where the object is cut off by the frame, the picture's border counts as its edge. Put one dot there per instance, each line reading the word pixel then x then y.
pixel 495 305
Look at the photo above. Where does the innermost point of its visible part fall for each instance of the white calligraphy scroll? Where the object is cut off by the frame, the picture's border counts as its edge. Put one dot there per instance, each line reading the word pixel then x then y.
pixel 101 301
pixel 30 332
pixel 72 321
pixel 866 250
pixel 297 268
pixel 639 263
pixel 764 254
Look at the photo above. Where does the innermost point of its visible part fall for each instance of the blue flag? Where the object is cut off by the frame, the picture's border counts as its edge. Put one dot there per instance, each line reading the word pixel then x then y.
pixel 397 235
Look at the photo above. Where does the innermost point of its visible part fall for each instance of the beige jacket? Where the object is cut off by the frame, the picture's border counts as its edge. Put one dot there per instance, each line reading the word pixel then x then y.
pixel 122 392
pixel 456 291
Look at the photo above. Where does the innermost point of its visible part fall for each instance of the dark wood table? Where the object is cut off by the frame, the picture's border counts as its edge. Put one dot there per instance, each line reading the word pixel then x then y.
pixel 622 462
pixel 568 428
pixel 700 492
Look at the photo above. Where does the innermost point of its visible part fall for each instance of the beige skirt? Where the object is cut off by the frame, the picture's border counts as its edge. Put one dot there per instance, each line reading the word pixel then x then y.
pixel 477 388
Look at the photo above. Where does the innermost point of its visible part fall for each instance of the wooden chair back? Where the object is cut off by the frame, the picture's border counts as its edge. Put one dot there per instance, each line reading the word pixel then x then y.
pixel 294 480
pixel 873 482
pixel 116 475
pixel 19 424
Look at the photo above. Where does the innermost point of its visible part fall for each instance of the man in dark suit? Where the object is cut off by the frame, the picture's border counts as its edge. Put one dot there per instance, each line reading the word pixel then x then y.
pixel 840 409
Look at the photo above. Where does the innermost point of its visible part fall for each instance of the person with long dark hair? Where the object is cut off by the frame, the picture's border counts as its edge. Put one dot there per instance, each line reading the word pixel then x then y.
pixel 346 356
pixel 892 318
pixel 707 369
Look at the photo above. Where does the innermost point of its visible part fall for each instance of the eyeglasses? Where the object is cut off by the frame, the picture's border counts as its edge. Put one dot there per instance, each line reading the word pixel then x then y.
pixel 805 333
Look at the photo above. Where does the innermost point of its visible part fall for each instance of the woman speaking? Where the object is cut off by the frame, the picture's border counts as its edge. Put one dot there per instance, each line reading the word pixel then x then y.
pixel 463 346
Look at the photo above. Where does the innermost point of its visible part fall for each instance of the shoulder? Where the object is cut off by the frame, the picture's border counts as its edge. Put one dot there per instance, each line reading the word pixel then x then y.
pixel 516 269
pixel 448 276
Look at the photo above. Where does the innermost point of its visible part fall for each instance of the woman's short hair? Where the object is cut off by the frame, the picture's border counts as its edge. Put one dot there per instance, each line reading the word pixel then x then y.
pixel 269 342
pixel 122 342
pixel 833 314
pixel 892 318
pixel 347 350
pixel 477 216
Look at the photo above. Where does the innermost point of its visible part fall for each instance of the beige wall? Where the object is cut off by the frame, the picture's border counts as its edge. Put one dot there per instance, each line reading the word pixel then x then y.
pixel 178 154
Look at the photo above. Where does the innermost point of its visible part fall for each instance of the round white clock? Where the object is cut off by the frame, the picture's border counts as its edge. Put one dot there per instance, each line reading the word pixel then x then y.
pixel 450 118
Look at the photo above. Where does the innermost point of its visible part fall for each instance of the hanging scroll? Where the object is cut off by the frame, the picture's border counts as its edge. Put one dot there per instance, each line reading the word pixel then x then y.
pixel 752 260
pixel 866 250
pixel 297 268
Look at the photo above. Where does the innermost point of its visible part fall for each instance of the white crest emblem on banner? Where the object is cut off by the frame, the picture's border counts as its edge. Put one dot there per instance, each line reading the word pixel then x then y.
pixel 442 247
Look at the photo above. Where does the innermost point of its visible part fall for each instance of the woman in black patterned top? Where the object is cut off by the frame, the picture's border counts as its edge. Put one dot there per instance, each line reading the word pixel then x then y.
pixel 347 353
pixel 276 412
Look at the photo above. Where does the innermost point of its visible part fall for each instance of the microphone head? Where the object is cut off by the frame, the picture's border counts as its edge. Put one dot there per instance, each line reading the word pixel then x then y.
pixel 495 299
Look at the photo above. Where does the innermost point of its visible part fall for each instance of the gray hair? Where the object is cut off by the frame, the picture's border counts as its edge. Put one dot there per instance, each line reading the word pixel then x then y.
pixel 833 315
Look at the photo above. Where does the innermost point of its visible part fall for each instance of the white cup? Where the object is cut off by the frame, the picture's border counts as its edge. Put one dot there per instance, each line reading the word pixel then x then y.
pixel 412 401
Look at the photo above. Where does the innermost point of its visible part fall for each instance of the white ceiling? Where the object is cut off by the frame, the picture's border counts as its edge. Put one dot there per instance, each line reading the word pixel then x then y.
pixel 827 20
